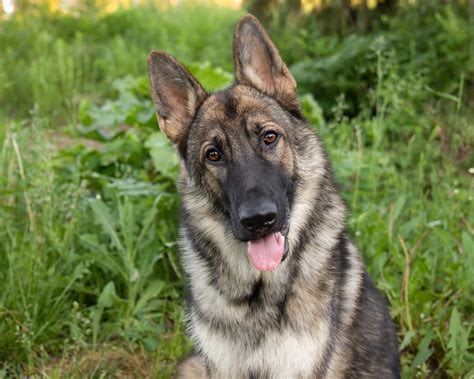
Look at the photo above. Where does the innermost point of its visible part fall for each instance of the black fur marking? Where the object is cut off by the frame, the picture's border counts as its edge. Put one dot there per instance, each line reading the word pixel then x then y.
pixel 323 204
pixel 250 184
pixel 254 374
pixel 315 219
pixel 340 266
pixel 189 298
pixel 230 106
pixel 342 249
pixel 206 250
pixel 297 114
pixel 256 292
pixel 375 344
pixel 254 297
pixel 281 305
pixel 231 329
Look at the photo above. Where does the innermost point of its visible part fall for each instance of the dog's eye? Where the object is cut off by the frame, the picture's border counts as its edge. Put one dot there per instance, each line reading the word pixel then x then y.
pixel 213 155
pixel 270 137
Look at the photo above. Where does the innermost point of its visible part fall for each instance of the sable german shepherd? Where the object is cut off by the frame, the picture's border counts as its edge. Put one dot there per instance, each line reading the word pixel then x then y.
pixel 277 288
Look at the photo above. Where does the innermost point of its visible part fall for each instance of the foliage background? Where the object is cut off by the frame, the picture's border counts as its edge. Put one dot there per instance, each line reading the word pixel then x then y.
pixel 90 278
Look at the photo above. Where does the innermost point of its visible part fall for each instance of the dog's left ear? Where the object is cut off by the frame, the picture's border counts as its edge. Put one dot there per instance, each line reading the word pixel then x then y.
pixel 258 64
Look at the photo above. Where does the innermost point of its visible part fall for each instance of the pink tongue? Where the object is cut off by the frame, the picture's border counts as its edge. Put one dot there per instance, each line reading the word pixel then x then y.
pixel 266 253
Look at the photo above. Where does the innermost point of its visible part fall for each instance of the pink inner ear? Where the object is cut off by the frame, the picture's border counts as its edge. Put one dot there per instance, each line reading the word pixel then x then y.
pixel 262 62
pixel 257 63
pixel 177 98
pixel 260 70
pixel 175 92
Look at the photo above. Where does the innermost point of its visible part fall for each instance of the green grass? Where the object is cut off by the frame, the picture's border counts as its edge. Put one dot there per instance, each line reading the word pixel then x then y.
pixel 57 61
pixel 90 278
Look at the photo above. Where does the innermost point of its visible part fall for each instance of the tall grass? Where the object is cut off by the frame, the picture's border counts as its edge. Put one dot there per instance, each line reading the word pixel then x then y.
pixel 53 61
pixel 78 270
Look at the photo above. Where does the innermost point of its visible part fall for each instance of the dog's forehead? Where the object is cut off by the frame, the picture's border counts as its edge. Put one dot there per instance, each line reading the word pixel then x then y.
pixel 234 104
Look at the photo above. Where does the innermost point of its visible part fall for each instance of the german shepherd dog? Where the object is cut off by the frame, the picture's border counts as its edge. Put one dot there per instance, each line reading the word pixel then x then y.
pixel 277 288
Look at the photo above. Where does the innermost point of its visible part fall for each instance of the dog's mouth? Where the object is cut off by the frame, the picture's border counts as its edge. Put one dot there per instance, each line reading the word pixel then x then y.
pixel 266 253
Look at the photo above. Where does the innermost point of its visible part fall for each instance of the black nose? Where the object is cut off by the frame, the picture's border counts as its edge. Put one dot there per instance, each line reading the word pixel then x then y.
pixel 258 218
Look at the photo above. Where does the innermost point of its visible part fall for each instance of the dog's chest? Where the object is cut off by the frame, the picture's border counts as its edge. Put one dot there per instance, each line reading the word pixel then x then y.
pixel 282 353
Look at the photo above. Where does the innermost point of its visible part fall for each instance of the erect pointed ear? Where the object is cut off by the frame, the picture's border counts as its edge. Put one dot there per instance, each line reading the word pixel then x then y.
pixel 176 93
pixel 257 63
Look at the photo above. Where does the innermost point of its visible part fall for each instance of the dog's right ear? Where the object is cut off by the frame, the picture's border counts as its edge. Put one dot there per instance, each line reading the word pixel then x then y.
pixel 176 93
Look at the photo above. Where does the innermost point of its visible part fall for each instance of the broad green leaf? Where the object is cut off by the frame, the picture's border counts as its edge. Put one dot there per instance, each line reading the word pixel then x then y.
pixel 424 351
pixel 151 291
pixel 107 296
pixel 163 155
pixel 91 241
pixel 468 249
pixel 105 219
pixel 399 205
pixel 458 344
pixel 212 78
pixel 407 339
pixel 151 344
pixel 312 111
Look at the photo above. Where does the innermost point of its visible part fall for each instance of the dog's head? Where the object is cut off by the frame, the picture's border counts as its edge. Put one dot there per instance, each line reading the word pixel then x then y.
pixel 237 145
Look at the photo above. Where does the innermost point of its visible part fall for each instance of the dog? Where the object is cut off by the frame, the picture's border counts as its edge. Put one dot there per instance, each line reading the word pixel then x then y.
pixel 277 289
